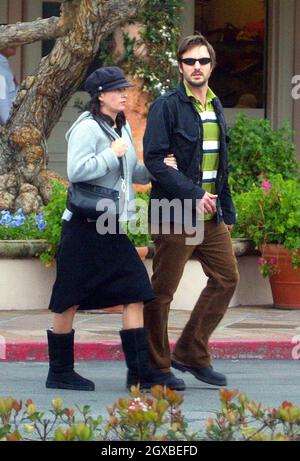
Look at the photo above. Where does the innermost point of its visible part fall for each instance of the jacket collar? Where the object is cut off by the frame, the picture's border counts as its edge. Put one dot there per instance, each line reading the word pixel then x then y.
pixel 181 91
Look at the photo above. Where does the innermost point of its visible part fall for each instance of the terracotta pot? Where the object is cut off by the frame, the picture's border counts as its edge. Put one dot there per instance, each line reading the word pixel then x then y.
pixel 285 285
pixel 142 251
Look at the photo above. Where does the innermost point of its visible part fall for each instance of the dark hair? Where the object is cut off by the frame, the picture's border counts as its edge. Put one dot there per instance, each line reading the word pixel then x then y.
pixel 93 106
pixel 193 40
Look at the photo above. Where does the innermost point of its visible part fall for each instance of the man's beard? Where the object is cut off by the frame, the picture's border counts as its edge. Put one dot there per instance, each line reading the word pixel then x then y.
pixel 197 84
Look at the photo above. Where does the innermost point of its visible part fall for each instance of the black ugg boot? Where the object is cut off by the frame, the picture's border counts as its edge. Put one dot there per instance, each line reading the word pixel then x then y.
pixel 140 371
pixel 61 360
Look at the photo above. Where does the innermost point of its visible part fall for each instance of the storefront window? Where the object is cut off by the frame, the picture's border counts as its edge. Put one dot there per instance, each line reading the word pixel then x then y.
pixel 237 31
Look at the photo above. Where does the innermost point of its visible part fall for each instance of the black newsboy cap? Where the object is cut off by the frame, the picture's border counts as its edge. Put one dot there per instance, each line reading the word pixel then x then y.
pixel 106 79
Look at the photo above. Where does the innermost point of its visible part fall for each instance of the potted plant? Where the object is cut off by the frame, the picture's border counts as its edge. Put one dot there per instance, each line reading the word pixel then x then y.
pixel 269 213
pixel 34 234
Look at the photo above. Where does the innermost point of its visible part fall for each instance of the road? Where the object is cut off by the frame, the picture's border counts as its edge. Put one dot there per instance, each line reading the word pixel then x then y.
pixel 269 382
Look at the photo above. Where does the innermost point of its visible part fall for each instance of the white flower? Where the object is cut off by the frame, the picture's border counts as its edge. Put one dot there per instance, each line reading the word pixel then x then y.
pixel 173 62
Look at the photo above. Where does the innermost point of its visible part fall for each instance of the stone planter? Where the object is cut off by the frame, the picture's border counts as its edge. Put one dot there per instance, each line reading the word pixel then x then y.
pixel 21 248
pixel 253 288
pixel 25 282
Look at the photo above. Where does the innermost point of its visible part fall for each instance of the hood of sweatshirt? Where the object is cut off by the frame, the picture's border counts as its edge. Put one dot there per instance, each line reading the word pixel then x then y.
pixel 85 115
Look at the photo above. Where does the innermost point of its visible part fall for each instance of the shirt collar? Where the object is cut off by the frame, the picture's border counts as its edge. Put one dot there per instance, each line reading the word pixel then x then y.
pixel 210 94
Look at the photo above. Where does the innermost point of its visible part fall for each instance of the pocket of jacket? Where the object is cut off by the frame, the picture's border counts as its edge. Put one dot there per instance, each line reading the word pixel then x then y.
pixel 186 136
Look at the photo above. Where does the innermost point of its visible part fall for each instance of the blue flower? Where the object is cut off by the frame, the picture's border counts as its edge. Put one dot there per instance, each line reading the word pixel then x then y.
pixel 41 226
pixel 6 217
pixel 18 220
pixel 39 218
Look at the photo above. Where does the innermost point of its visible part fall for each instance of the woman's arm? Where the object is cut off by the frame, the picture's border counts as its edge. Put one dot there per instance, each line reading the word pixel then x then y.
pixel 84 162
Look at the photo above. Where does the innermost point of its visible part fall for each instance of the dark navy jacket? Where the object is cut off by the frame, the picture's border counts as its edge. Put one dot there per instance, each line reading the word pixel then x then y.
pixel 173 128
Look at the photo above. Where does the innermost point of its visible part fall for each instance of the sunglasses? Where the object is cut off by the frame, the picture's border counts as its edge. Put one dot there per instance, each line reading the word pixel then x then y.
pixel 192 61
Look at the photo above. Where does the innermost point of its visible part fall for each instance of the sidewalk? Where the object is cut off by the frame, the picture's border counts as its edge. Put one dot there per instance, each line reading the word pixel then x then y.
pixel 245 333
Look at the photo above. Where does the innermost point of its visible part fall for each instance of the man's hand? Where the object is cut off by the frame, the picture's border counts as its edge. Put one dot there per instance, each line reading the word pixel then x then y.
pixel 230 227
pixel 208 203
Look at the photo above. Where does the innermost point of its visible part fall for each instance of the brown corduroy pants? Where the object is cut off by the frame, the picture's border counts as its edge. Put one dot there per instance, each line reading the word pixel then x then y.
pixel 216 256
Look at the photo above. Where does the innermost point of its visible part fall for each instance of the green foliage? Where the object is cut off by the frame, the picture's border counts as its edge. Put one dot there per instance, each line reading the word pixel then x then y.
pixel 52 213
pixel 135 418
pixel 156 417
pixel 105 51
pixel 159 36
pixel 270 213
pixel 256 151
pixel 242 420
pixel 137 230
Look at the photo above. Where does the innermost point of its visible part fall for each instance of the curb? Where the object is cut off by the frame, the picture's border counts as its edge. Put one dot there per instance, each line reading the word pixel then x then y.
pixel 17 351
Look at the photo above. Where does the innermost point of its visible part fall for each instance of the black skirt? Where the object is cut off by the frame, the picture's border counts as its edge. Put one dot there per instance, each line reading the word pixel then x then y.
pixel 96 271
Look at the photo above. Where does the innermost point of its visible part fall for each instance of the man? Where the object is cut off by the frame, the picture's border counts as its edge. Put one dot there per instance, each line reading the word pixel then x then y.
pixel 189 123
pixel 8 85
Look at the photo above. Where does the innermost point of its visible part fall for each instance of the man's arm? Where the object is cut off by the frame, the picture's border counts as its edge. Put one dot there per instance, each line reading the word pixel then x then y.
pixel 157 145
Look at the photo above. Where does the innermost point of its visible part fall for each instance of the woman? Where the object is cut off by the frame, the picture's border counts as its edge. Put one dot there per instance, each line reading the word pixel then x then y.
pixel 96 270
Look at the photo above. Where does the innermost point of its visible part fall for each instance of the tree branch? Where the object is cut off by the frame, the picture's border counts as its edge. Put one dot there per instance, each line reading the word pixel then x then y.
pixel 24 33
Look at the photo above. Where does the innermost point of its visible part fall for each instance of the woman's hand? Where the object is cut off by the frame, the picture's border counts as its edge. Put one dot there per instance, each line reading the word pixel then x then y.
pixel 119 146
pixel 170 160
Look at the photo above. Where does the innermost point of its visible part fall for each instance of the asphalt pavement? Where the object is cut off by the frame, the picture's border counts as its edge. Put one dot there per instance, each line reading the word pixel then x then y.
pixel 269 382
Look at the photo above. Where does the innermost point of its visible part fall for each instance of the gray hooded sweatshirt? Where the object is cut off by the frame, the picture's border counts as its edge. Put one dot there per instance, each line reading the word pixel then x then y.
pixel 91 158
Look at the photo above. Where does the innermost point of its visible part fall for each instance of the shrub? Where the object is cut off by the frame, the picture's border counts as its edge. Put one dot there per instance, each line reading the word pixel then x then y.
pixel 137 230
pixel 157 417
pixel 240 419
pixel 256 151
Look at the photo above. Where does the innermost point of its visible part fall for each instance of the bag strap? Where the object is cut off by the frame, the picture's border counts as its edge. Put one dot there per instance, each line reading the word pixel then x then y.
pixel 111 138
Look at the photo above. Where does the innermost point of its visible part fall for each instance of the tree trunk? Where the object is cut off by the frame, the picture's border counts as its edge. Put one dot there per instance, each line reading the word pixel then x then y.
pixel 24 178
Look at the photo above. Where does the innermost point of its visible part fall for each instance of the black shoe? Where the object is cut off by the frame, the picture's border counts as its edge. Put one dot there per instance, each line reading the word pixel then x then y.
pixel 205 374
pixel 69 380
pixel 158 378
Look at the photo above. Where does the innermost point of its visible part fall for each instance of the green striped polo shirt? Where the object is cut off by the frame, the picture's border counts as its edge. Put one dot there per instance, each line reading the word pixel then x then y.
pixel 211 142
